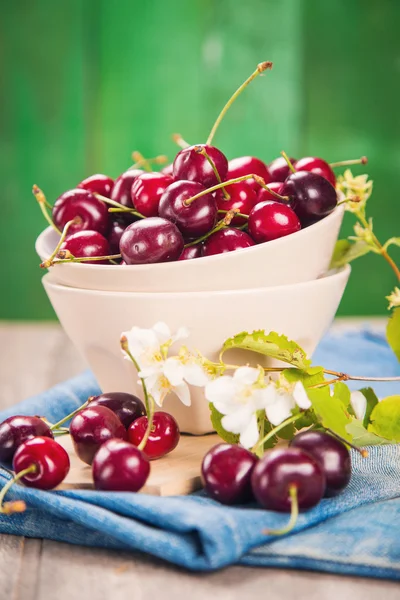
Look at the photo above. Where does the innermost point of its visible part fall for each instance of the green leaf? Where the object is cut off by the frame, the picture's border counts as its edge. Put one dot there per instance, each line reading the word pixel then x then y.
pixel 394 241
pixel 272 441
pixel 385 419
pixel 288 432
pixel 342 392
pixel 346 251
pixel 362 437
pixel 216 417
pixel 330 410
pixel 393 332
pixel 271 344
pixel 309 377
pixel 372 401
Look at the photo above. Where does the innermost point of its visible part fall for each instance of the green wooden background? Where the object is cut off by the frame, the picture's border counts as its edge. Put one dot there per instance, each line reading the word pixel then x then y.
pixel 85 82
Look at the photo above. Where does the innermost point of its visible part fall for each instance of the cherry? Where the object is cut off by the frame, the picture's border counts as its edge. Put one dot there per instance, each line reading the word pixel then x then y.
pixel 271 220
pixel 99 184
pixel 147 190
pixel 226 471
pixel 226 240
pixel 191 165
pixel 316 165
pixel 242 197
pixel 93 426
pixel 247 165
pixel 87 244
pixel 331 453
pixel 280 471
pixel 127 407
pixel 264 194
pixel 122 187
pixel 164 435
pixel 168 170
pixel 93 213
pixel 120 467
pixel 194 219
pixel 16 430
pixel 151 240
pixel 191 252
pixel 279 170
pixel 312 196
pixel 49 460
pixel 117 228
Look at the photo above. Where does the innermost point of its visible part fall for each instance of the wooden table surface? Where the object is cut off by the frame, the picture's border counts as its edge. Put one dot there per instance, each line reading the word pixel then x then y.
pixel 35 357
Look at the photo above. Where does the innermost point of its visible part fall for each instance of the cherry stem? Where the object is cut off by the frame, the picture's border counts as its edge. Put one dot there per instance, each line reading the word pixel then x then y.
pixel 149 427
pixel 256 178
pixel 347 163
pixel 17 506
pixel 294 514
pixel 49 261
pixel 70 416
pixel 178 139
pixel 275 430
pixel 41 198
pixel 230 214
pixel 237 214
pixel 381 249
pixel 364 453
pixel 202 150
pixel 354 199
pixel 260 69
pixel 346 377
pixel 125 348
pixel 118 205
pixel 289 163
pixel 138 157
pixel 140 161
pixel 65 256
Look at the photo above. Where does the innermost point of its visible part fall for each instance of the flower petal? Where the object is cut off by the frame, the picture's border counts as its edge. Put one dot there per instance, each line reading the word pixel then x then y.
pixel 300 396
pixel 140 340
pixel 246 375
pixel 359 403
pixel 183 393
pixel 162 331
pixel 174 370
pixel 280 410
pixel 181 334
pixel 194 374
pixel 250 434
pixel 220 390
pixel 238 421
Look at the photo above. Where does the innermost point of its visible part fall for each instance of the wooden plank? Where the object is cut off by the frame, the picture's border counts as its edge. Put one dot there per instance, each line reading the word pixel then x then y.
pixel 11 548
pixel 28 576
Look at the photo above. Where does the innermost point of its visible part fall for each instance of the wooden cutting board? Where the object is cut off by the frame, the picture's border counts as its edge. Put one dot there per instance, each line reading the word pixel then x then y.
pixel 177 473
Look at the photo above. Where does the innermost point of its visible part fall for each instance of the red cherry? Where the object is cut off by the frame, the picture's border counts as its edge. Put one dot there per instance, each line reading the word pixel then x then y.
pixel 279 169
pixel 242 197
pixel 311 196
pixel 93 213
pixel 117 228
pixel 87 244
pixel 190 165
pixel 271 220
pixel 120 467
pixel 16 430
pixel 246 165
pixel 226 240
pixel 163 438
pixel 122 187
pixel 264 194
pixel 93 426
pixel 316 165
pixel 147 190
pixel 168 170
pixel 49 458
pixel 98 184
pixel 127 407
pixel 191 252
pixel 151 240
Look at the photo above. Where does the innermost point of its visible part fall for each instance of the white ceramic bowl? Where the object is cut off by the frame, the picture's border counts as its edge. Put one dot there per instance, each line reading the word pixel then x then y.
pixel 94 320
pixel 301 256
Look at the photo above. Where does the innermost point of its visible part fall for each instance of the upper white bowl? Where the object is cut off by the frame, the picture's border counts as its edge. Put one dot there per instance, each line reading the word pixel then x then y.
pixel 94 320
pixel 301 256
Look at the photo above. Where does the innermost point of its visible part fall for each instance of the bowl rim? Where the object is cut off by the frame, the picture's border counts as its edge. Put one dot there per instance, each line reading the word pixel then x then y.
pixel 343 273
pixel 181 264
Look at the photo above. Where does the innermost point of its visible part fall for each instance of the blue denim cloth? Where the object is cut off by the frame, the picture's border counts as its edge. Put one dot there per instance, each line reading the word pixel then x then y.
pixel 355 533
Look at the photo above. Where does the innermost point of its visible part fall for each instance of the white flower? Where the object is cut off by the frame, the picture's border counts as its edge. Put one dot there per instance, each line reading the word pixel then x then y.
pixel 359 403
pixel 238 398
pixel 358 188
pixel 394 298
pixel 280 402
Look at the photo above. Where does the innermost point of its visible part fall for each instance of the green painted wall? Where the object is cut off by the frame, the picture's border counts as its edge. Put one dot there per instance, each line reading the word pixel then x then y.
pixel 83 83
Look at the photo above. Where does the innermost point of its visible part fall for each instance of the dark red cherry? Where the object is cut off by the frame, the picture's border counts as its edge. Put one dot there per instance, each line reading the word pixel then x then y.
pixel 191 252
pixel 316 165
pixel 264 194
pixel 190 165
pixel 93 213
pixel 311 196
pixel 331 453
pixel 247 165
pixel 120 467
pixel 93 426
pixel 151 240
pixel 279 169
pixel 282 468
pixel 49 458
pixel 99 184
pixel 87 244
pixel 121 191
pixel 242 198
pixel 147 190
pixel 193 220
pixel 163 438
pixel 127 407
pixel 16 430
pixel 271 220
pixel 226 472
pixel 168 170
pixel 117 228
pixel 226 240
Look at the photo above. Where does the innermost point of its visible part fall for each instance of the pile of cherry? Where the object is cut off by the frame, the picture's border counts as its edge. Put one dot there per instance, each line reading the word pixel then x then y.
pixel 110 432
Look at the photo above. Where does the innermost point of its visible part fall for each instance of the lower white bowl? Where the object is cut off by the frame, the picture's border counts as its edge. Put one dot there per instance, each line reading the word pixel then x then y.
pixel 94 321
